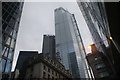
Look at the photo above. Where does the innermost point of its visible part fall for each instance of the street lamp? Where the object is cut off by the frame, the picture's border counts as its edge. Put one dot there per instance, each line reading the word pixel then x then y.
pixel 89 46
pixel 110 38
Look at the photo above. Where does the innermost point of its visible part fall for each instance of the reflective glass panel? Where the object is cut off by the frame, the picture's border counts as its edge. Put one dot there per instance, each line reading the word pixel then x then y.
pixel 7 66
pixel 3 64
pixel 10 53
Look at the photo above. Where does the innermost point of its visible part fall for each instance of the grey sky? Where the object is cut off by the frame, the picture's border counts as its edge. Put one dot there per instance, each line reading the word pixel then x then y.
pixel 38 19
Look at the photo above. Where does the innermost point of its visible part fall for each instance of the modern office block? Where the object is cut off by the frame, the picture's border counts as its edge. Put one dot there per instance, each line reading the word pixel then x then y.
pixel 96 24
pixel 49 46
pixel 69 43
pixel 11 14
pixel 102 20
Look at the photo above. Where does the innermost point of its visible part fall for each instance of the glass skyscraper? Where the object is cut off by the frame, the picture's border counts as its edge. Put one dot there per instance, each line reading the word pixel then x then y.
pixel 96 18
pixel 69 43
pixel 11 13
pixel 97 23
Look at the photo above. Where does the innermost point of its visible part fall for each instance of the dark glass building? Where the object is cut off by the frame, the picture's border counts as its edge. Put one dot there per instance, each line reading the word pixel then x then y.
pixel 49 46
pixel 69 43
pixel 11 14
pixel 22 58
pixel 102 20
pixel 24 55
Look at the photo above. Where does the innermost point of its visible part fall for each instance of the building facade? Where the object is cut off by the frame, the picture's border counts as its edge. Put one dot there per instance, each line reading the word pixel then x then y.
pixel 42 67
pixel 69 43
pixel 98 64
pixel 96 24
pixel 11 14
pixel 101 24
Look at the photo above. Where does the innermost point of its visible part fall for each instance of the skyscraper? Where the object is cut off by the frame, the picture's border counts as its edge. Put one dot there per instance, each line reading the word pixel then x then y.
pixel 49 46
pixel 11 13
pixel 91 14
pixel 102 20
pixel 69 43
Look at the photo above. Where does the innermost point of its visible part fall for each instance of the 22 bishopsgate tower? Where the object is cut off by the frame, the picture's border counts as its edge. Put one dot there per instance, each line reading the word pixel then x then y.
pixel 69 43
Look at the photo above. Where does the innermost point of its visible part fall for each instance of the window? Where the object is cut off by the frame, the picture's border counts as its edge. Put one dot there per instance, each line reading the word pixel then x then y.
pixel 4 38
pixel 48 76
pixel 4 25
pixel 8 66
pixel 14 34
pixel 44 74
pixel 4 49
pixel 59 76
pixel 8 41
pixel 8 18
pixel 56 73
pixel 103 74
pixel 3 64
pixel 10 53
pixel 4 15
pixel 99 66
pixel 44 67
pixel 52 78
pixel 12 22
pixel 48 69
pixel 8 30
pixel 12 43
pixel 6 52
pixel 52 72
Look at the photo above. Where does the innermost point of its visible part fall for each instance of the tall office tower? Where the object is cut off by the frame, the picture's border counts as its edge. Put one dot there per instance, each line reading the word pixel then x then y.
pixel 49 46
pixel 101 23
pixel 69 43
pixel 11 13
pixel 91 18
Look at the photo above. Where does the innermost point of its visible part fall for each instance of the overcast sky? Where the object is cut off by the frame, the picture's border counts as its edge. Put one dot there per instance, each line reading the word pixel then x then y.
pixel 38 19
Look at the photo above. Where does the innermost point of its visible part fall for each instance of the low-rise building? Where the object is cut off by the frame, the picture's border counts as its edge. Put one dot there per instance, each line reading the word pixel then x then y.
pixel 43 67
pixel 96 61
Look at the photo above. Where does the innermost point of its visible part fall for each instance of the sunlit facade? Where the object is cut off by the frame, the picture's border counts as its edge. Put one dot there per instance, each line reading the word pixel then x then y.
pixel 69 43
pixel 11 13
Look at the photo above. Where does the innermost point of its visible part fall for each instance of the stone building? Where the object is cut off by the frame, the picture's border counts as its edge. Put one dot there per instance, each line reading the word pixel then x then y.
pixel 42 67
